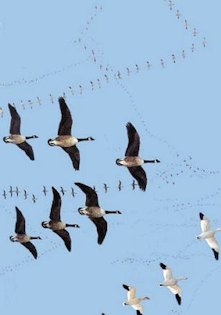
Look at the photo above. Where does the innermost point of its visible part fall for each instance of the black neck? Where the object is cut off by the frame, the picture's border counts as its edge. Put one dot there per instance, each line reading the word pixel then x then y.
pixel 83 139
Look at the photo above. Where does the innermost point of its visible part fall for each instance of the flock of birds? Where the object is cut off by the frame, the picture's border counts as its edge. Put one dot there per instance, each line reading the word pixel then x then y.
pixel 132 161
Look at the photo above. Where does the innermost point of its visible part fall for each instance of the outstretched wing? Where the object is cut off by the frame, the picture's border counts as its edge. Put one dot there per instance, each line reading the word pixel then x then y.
pixel 133 141
pixel 66 119
pixel 91 195
pixel 131 292
pixel 101 225
pixel 31 248
pixel 204 222
pixel 56 206
pixel 20 222
pixel 74 155
pixel 213 244
pixel 28 149
pixel 15 121
pixel 65 237
pixel 167 272
pixel 139 174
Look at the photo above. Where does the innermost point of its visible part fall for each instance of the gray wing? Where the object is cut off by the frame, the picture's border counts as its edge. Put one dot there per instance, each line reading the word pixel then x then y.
pixel 15 121
pixel 74 155
pixel 139 174
pixel 20 222
pixel 66 119
pixel 91 195
pixel 65 237
pixel 56 206
pixel 101 225
pixel 31 248
pixel 133 141
pixel 28 149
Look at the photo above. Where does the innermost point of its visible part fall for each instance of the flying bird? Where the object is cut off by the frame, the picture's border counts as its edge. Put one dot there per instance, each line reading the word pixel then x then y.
pixel 209 235
pixel 171 283
pixel 21 236
pixel 133 301
pixel 94 212
pixel 15 136
pixel 55 223
pixel 132 160
pixel 64 139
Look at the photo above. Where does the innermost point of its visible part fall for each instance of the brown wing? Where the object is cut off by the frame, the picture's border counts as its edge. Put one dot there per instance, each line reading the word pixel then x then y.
pixel 20 222
pixel 133 141
pixel 31 248
pixel 66 119
pixel 139 174
pixel 91 195
pixel 65 237
pixel 56 206
pixel 15 121
pixel 101 225
pixel 28 149
pixel 74 154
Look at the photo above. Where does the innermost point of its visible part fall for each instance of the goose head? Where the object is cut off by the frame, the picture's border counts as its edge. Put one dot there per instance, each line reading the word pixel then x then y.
pixel 45 224
pixel 119 161
pixel 82 210
pixel 51 142
pixel 7 139
pixel 13 238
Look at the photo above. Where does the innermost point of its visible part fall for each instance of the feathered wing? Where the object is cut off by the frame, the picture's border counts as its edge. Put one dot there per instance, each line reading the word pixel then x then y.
pixel 27 148
pixel 213 244
pixel 15 121
pixel 101 225
pixel 31 248
pixel 167 272
pixel 138 307
pixel 139 174
pixel 65 237
pixel 66 119
pixel 74 155
pixel 20 222
pixel 131 292
pixel 56 206
pixel 204 223
pixel 133 141
pixel 91 195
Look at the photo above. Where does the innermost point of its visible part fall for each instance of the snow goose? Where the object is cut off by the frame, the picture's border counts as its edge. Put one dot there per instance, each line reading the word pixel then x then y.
pixel 133 301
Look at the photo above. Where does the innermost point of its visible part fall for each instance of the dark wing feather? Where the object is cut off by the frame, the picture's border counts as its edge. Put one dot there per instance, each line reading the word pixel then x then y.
pixel 74 155
pixel 66 119
pixel 31 248
pixel 15 121
pixel 139 313
pixel 133 141
pixel 91 195
pixel 56 206
pixel 28 149
pixel 139 174
pixel 216 254
pixel 101 225
pixel 178 298
pixel 65 237
pixel 20 222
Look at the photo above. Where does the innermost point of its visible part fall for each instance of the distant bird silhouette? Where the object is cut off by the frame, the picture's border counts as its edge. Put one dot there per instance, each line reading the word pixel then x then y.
pixel 120 186
pixel 62 190
pixel 94 212
pixel 25 194
pixel 132 160
pixel 64 139
pixel 11 191
pixel 15 134
pixel 45 190
pixel 34 198
pixel 105 188
pixel 4 194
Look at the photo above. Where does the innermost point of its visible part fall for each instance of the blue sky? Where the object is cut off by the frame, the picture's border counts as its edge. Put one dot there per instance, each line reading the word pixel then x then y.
pixel 46 48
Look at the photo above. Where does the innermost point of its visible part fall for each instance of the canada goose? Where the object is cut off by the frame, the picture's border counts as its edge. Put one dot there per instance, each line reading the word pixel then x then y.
pixel 171 283
pixel 209 235
pixel 94 212
pixel 55 223
pixel 21 235
pixel 132 161
pixel 133 301
pixel 64 139
pixel 15 134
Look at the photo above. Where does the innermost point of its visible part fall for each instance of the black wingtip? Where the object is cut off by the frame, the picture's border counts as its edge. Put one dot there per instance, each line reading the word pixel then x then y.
pixel 126 287
pixel 178 298
pixel 216 254
pixel 163 266
pixel 201 215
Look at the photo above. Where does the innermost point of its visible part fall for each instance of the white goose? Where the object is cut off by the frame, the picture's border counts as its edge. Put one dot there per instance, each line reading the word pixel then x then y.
pixel 209 235
pixel 133 301
pixel 171 283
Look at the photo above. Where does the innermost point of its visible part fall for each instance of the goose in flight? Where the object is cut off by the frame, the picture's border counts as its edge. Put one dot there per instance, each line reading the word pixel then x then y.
pixel 132 160
pixel 21 236
pixel 94 212
pixel 55 223
pixel 133 301
pixel 209 235
pixel 15 134
pixel 64 139
pixel 171 283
